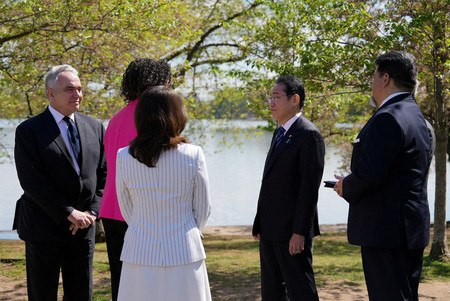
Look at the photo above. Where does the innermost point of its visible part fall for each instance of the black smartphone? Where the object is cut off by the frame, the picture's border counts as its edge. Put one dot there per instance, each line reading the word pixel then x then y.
pixel 330 184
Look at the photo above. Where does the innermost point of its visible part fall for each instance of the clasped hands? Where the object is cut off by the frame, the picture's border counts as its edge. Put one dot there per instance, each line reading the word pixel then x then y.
pixel 80 220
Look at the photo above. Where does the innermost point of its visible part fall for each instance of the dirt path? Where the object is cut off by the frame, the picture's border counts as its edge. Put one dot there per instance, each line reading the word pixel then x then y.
pixel 432 291
pixel 436 291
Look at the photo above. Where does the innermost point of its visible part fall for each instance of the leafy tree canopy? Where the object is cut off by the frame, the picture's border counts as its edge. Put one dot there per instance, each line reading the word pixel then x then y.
pixel 100 38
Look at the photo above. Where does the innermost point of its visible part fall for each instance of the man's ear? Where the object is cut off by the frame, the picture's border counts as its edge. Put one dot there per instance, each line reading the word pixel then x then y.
pixel 386 79
pixel 50 92
pixel 295 99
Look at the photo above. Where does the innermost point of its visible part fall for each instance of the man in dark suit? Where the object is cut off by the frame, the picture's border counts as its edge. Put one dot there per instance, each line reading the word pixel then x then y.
pixel 286 220
pixel 61 167
pixel 387 189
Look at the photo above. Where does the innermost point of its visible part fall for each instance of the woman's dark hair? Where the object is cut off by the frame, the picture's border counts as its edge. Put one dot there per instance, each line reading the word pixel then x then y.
pixel 160 118
pixel 144 73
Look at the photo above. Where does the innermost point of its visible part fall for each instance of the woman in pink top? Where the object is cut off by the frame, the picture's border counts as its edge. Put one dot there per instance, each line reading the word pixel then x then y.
pixel 140 75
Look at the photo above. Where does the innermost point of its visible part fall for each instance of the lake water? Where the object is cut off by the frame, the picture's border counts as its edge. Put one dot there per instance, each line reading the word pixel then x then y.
pixel 235 176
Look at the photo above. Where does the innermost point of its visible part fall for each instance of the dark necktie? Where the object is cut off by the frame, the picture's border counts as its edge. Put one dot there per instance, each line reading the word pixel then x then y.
pixel 280 135
pixel 74 139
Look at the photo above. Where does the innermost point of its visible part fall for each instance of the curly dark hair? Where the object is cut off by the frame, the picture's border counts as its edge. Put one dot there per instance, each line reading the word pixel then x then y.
pixel 142 74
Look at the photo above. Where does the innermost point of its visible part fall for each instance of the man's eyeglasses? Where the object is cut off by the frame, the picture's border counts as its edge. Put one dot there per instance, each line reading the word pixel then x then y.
pixel 276 98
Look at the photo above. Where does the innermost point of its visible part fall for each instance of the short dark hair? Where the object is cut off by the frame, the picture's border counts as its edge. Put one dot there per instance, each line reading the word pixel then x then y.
pixel 160 118
pixel 401 67
pixel 293 85
pixel 143 73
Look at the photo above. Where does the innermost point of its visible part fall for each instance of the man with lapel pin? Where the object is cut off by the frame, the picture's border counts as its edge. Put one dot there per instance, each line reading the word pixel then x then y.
pixel 61 167
pixel 387 188
pixel 286 220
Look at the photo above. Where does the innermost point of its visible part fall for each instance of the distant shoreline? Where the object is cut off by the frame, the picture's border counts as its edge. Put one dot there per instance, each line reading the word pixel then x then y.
pixel 247 230
pixel 212 230
pixel 221 230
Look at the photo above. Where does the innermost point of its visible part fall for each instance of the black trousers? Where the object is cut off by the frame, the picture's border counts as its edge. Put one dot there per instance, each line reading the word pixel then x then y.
pixel 281 272
pixel 392 274
pixel 45 260
pixel 115 233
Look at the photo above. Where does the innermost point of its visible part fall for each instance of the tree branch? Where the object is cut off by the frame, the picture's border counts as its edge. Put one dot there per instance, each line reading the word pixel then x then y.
pixel 22 34
pixel 338 93
pixel 191 51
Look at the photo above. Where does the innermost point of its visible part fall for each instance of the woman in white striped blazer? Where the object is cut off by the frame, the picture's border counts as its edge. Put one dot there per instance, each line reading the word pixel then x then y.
pixel 163 193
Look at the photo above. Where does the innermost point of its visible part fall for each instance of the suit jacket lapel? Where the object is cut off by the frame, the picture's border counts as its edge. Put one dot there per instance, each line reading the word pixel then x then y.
pixel 82 132
pixel 53 130
pixel 274 153
pixel 272 145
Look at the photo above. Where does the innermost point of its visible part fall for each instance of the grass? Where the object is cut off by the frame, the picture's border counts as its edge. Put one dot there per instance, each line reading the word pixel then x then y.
pixel 232 262
pixel 335 260
pixel 233 265
pixel 433 270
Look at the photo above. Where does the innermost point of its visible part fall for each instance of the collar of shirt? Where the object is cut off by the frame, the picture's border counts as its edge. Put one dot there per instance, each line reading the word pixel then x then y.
pixel 392 96
pixel 63 129
pixel 288 123
pixel 58 116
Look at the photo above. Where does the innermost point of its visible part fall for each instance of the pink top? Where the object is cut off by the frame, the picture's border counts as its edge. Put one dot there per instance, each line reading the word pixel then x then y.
pixel 119 133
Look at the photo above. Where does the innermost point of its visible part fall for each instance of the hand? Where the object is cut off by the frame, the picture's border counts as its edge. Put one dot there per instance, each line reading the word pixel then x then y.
pixel 256 237
pixel 296 244
pixel 73 228
pixel 338 186
pixel 81 219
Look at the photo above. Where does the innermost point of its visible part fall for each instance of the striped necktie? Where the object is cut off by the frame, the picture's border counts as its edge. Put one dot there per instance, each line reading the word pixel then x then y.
pixel 74 139
pixel 280 135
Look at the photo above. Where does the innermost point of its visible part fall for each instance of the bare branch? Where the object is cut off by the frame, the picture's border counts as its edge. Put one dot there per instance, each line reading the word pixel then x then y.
pixel 218 61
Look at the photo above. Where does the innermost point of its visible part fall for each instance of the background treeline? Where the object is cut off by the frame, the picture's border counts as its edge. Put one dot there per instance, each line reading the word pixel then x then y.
pixel 226 54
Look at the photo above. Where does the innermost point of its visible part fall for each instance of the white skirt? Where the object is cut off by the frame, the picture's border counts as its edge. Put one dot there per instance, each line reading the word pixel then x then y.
pixel 174 283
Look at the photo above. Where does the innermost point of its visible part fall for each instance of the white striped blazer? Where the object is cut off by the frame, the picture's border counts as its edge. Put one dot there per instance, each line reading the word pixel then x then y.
pixel 165 207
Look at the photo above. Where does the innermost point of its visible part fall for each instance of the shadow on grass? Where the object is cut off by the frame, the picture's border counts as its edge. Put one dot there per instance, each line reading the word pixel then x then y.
pixel 334 248
pixel 102 290
pixel 10 260
pixel 214 243
pixel 351 275
pixel 14 269
pixel 233 267
pixel 232 279
pixel 234 286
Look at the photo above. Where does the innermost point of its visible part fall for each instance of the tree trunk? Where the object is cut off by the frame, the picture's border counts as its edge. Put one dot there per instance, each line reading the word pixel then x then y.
pixel 439 248
pixel 99 232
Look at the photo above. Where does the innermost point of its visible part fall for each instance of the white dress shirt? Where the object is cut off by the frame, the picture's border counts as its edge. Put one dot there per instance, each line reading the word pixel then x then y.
pixel 63 127
pixel 392 96
pixel 291 121
pixel 165 207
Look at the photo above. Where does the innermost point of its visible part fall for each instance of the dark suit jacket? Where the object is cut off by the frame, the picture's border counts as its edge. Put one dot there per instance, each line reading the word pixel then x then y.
pixel 52 187
pixel 289 191
pixel 387 189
